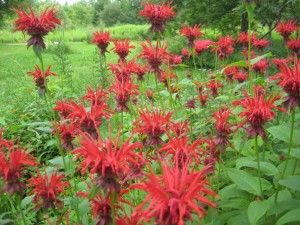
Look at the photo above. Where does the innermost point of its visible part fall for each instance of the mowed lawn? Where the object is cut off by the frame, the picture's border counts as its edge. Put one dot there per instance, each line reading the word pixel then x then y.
pixel 17 88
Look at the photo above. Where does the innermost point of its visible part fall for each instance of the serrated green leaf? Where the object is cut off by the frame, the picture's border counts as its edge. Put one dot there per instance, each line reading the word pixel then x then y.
pixel 256 210
pixel 292 182
pixel 282 133
pixel 291 216
pixel 247 182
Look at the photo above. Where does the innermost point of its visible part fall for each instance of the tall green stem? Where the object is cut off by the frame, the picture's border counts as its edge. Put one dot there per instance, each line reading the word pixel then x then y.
pixel 258 167
pixel 290 144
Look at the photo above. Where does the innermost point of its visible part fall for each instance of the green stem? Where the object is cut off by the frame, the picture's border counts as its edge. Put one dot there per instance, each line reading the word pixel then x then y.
pixel 194 61
pixel 290 144
pixel 295 166
pixel 258 167
pixel 112 206
pixel 20 208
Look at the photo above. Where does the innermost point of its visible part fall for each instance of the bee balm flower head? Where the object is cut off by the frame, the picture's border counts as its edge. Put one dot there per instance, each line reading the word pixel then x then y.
pixel 36 27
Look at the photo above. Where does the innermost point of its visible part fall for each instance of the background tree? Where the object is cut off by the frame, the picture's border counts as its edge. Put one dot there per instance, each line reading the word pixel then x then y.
pixel 7 5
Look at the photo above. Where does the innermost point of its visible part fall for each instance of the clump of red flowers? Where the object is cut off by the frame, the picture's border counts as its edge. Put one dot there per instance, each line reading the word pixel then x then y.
pixel 176 194
pixel 224 46
pixel 158 15
pixel 102 40
pixel 191 33
pixel 109 159
pixel 46 190
pixel 289 80
pixel 201 46
pixel 257 111
pixel 36 27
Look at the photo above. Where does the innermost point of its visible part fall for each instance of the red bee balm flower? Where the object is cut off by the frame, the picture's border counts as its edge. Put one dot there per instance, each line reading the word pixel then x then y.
pixel 174 195
pixel 181 148
pixel 47 189
pixel 294 45
pixel 155 56
pixel 123 70
pixel 36 27
pixel 124 90
pixel 12 168
pixel 244 37
pixel 261 66
pixel 102 40
pixel 202 45
pixel 153 125
pixel 191 33
pixel 260 44
pixel 67 133
pixel 286 29
pixel 224 46
pixel 223 127
pixel 257 111
pixel 40 78
pixel 158 15
pixel 122 48
pixel 108 159
pixel 289 80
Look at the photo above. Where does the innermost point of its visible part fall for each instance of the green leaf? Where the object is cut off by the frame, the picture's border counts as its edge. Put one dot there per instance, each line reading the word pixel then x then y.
pixel 282 133
pixel 282 206
pixel 265 167
pixel 44 129
pixel 26 201
pixel 223 98
pixel 238 203
pixel 37 123
pixel 239 63
pixel 232 191
pixel 257 59
pixel 84 207
pixel 247 182
pixel 291 216
pixel 256 210
pixel 38 50
pixel 241 218
pixel 292 182
pixel 295 152
pixel 2 121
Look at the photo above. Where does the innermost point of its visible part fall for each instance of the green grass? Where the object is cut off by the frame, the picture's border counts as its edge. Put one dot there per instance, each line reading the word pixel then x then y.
pixel 18 88
pixel 132 32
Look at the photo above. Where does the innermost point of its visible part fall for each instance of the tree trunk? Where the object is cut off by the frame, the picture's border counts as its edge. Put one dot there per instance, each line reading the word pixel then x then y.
pixel 244 24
